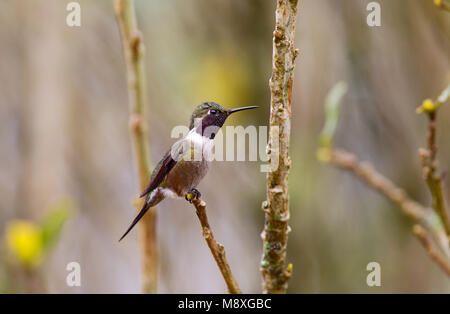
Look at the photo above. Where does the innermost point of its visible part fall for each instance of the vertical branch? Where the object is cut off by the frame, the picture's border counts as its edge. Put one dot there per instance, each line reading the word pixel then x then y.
pixel 276 207
pixel 133 50
pixel 217 249
pixel 432 177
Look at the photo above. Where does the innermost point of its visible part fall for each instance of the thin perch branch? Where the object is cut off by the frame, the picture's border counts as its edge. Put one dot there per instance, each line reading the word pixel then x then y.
pixel 276 207
pixel 133 50
pixel 216 248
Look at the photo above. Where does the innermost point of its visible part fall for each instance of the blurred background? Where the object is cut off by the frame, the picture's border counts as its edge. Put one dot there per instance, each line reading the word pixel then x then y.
pixel 67 166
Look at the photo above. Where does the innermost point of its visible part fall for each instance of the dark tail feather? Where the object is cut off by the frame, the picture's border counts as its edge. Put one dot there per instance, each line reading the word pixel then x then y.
pixel 138 217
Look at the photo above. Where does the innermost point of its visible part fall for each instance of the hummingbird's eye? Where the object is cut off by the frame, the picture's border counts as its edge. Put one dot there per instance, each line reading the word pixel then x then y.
pixel 212 111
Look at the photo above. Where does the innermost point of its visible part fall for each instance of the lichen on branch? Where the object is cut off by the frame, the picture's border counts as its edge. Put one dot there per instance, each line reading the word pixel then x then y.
pixel 276 207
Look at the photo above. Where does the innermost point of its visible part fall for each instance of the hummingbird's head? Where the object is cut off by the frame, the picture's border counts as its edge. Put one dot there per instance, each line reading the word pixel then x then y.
pixel 209 117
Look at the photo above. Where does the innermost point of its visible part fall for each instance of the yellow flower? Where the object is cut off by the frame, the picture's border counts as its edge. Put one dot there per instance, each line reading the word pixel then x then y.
pixel 24 239
pixel 427 106
pixel 438 2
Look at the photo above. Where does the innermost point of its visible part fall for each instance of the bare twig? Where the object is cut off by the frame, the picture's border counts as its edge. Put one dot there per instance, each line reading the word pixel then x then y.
pixel 133 50
pixel 428 244
pixel 398 196
pixel 432 178
pixel 374 179
pixel 430 224
pixel 276 207
pixel 216 248
pixel 428 158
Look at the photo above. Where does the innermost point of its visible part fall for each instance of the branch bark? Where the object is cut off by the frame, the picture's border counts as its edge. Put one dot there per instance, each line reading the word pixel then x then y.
pixel 216 248
pixel 133 50
pixel 276 207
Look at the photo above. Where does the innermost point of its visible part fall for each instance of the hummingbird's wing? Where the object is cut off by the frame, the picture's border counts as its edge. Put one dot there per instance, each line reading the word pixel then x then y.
pixel 158 175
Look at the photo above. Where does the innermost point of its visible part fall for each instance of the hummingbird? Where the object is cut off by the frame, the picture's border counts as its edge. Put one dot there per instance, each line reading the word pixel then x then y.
pixel 182 168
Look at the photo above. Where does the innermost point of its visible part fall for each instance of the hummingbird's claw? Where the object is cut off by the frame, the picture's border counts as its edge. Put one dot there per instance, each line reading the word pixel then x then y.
pixel 192 194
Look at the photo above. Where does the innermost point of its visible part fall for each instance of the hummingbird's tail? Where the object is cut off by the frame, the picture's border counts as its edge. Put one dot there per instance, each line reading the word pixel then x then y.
pixel 138 217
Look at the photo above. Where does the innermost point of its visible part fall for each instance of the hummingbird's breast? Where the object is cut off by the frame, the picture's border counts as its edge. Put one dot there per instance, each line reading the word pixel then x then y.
pixel 191 169
pixel 186 175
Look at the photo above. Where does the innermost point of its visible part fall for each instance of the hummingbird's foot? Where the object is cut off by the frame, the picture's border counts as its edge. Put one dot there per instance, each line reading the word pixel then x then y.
pixel 192 194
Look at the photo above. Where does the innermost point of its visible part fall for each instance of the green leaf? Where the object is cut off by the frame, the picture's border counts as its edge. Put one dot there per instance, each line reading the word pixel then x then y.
pixel 332 113
pixel 55 220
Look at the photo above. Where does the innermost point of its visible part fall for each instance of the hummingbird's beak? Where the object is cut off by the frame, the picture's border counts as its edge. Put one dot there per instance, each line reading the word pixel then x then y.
pixel 230 111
